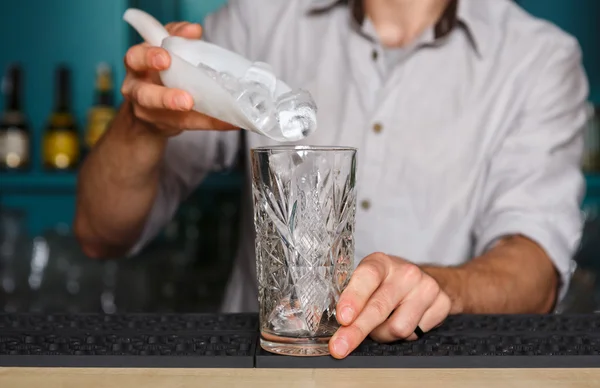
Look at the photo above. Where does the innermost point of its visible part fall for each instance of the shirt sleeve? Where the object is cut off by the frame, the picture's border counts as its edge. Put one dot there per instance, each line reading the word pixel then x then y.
pixel 192 155
pixel 535 185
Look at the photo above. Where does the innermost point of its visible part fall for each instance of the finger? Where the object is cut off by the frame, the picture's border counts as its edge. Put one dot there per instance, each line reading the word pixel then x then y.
pixel 367 277
pixel 174 26
pixel 403 321
pixel 185 29
pixel 127 84
pixel 153 96
pixel 376 311
pixel 189 31
pixel 435 314
pixel 140 58
pixel 170 120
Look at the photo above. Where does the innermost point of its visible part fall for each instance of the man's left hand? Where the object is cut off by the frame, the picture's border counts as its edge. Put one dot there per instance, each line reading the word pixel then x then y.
pixel 387 298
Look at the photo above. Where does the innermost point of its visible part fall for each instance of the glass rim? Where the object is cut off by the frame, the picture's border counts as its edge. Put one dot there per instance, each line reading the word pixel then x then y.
pixel 309 148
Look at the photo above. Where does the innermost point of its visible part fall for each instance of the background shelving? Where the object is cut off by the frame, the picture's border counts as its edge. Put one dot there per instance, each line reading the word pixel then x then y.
pixel 41 34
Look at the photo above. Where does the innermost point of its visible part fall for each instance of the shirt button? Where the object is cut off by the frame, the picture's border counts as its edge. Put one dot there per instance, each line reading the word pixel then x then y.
pixel 377 128
pixel 365 204
pixel 374 55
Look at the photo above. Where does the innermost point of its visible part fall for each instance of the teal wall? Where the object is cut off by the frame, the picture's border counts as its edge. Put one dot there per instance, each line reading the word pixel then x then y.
pixel 580 18
pixel 196 10
pixel 42 33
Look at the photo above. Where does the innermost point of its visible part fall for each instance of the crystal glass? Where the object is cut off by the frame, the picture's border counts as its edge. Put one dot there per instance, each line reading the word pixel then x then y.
pixel 304 210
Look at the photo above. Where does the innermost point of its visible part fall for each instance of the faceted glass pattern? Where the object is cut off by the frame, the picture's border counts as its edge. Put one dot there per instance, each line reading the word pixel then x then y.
pixel 304 210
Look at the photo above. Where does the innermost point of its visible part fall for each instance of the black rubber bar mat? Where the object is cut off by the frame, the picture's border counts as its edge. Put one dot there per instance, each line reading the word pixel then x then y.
pixel 136 340
pixel 230 341
pixel 129 322
pixel 486 341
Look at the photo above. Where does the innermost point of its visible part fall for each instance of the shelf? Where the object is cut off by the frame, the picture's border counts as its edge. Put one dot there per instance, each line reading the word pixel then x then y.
pixel 66 182
pixel 25 182
pixel 52 182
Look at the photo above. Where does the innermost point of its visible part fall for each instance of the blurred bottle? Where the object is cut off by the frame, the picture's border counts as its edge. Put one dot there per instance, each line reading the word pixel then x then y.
pixel 61 146
pixel 591 154
pixel 13 260
pixel 103 112
pixel 14 129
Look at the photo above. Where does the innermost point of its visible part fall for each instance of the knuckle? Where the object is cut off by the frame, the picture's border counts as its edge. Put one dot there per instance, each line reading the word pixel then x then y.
pixel 381 307
pixel 411 272
pixel 146 97
pixel 430 286
pixel 125 88
pixel 167 99
pixel 377 256
pixel 378 337
pixel 137 94
pixel 129 81
pixel 399 328
pixel 359 332
pixel 129 57
pixel 151 53
pixel 368 270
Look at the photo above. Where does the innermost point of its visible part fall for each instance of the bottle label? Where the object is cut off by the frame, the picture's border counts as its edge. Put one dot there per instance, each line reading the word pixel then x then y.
pixel 99 120
pixel 61 149
pixel 14 148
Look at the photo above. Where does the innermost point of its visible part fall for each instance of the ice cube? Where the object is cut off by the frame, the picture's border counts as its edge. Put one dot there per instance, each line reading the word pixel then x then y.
pixel 297 115
pixel 230 83
pixel 292 116
pixel 288 318
pixel 261 73
pixel 257 104
pixel 282 166
pixel 313 294
pixel 212 73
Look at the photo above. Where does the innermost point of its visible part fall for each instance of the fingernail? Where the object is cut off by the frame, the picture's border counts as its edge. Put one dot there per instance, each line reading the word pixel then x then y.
pixel 340 347
pixel 181 101
pixel 346 314
pixel 160 61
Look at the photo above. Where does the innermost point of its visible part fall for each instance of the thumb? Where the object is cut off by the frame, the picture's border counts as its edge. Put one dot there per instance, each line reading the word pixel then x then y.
pixel 187 30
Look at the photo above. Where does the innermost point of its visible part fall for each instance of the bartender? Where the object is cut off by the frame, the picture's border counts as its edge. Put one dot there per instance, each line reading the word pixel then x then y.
pixel 468 118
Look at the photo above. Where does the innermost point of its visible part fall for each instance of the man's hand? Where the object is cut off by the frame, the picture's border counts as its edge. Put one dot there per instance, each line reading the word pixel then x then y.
pixel 169 110
pixel 387 298
pixel 119 180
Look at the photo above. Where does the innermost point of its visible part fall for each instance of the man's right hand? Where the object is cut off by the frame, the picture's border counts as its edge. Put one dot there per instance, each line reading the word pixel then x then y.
pixel 167 110
pixel 119 180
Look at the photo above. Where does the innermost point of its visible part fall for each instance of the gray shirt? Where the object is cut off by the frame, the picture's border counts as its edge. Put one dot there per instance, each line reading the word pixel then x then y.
pixel 470 134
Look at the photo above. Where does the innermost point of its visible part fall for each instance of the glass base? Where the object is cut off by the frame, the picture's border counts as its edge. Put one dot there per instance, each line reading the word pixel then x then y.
pixel 300 347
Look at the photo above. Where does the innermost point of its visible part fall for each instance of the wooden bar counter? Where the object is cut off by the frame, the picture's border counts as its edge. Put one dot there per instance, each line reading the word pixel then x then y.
pixel 297 378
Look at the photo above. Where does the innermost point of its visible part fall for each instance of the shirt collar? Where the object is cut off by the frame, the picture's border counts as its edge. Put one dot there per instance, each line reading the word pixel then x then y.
pixel 469 14
pixel 475 16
